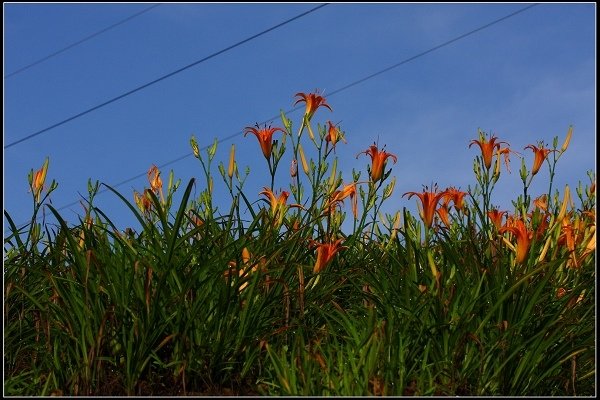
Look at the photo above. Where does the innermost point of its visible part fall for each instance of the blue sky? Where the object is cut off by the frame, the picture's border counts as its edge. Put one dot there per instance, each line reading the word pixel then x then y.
pixel 524 79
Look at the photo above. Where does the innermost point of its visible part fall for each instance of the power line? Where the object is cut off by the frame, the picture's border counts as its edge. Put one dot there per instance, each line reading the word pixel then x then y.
pixel 439 46
pixel 330 94
pixel 162 77
pixel 85 39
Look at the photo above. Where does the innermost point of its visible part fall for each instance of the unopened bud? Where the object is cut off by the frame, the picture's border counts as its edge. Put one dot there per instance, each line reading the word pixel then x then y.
pixel 389 189
pixel 496 174
pixel 194 145
pixel 212 150
pixel 303 160
pixel 294 168
pixel 333 173
pixel 231 162
pixel 563 207
pixel 567 139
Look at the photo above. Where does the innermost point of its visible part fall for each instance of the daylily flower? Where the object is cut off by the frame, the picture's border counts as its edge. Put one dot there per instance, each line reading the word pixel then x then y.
pixel 276 202
pixel 143 201
pixel 246 267
pixel 487 148
pixel 154 179
pixel 505 151
pixel 339 195
pixel 573 236
pixel 37 185
pixel 334 135
pixel 444 213
pixel 429 200
pixel 194 219
pixel 541 202
pixel 313 102
pixel 265 138
pixel 325 253
pixel 541 153
pixel 457 197
pixel 523 235
pixel 378 159
pixel 496 217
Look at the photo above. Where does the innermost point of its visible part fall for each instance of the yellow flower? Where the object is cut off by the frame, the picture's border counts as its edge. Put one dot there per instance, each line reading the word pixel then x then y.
pixel 265 138
pixel 378 159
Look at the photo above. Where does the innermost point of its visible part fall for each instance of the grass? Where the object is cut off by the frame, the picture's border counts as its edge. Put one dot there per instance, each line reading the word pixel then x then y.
pixel 463 299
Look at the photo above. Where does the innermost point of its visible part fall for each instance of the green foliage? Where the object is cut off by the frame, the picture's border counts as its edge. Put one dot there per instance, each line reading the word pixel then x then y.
pixel 288 303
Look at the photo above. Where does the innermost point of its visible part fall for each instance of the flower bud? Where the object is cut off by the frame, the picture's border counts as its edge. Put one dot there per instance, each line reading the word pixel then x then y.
pixel 231 162
pixel 567 139
pixel 303 160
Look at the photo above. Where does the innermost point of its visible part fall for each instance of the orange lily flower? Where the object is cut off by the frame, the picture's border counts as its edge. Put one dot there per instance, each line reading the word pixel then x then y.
pixel 143 201
pixel 276 202
pixel 429 200
pixel 265 138
pixel 154 179
pixel 457 197
pixel 487 148
pixel 194 219
pixel 541 202
pixel 37 185
pixel 313 102
pixel 339 195
pixel 505 151
pixel 243 270
pixel 523 235
pixel 444 213
pixel 325 253
pixel 573 236
pixel 378 159
pixel 334 134
pixel 541 153
pixel 496 217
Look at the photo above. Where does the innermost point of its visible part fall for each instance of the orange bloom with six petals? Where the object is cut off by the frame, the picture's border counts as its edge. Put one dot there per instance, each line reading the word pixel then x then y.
pixel 457 197
pixel 313 102
pixel 277 203
pixel 487 148
pixel 325 253
pixel 496 217
pixel 265 138
pixel 541 153
pixel 378 159
pixel 339 195
pixel 429 200
pixel 523 236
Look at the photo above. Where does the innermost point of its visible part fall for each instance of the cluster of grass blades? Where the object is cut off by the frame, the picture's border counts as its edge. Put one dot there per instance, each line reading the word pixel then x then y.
pixel 281 297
